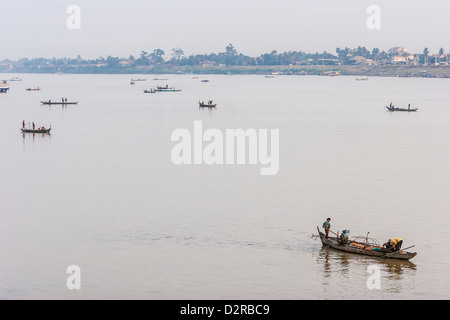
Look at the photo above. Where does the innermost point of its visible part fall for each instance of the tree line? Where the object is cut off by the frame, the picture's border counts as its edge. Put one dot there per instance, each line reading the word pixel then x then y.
pixel 229 57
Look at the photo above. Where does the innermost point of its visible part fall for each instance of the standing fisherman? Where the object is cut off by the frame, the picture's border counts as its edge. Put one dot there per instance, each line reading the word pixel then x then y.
pixel 327 226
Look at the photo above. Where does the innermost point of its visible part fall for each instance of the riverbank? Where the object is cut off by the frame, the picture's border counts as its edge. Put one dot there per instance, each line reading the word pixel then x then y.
pixel 382 70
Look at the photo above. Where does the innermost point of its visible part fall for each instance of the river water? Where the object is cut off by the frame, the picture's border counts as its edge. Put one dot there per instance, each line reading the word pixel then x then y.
pixel 102 192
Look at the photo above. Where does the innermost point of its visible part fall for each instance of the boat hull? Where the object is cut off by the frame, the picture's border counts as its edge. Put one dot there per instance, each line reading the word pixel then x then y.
pixel 60 103
pixel 35 131
pixel 402 109
pixel 332 242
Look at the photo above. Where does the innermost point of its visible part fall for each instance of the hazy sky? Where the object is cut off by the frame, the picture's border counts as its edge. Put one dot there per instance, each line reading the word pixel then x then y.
pixel 37 28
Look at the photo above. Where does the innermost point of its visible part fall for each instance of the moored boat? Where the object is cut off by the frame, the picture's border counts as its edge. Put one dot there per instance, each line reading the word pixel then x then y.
pixel 34 89
pixel 149 91
pixel 366 249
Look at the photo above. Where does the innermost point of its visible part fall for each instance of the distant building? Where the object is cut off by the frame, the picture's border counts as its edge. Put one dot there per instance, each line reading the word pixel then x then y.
pixel 207 64
pixel 440 59
pixel 359 60
pixel 331 73
pixel 399 59
pixel 398 51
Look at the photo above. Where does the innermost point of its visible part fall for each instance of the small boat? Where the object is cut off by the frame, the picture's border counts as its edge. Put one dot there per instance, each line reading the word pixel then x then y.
pixel 60 103
pixel 134 80
pixel 366 249
pixel 160 79
pixel 167 89
pixel 270 77
pixel 149 91
pixel 15 79
pixel 207 105
pixel 205 80
pixel 34 89
pixel 362 79
pixel 4 86
pixel 39 130
pixel 401 109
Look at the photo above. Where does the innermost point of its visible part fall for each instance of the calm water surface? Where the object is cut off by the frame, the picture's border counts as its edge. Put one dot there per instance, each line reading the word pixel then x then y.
pixel 101 191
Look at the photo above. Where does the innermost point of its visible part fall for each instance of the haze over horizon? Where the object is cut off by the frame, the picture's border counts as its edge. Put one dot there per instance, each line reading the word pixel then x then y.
pixel 121 28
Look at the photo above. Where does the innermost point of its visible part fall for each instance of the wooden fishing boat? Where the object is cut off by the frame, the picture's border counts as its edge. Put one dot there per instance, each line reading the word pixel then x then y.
pixel 41 130
pixel 402 109
pixel 149 91
pixel 60 103
pixel 363 248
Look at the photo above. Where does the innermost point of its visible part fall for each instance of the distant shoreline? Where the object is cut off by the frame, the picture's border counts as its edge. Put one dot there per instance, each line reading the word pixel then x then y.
pixel 345 70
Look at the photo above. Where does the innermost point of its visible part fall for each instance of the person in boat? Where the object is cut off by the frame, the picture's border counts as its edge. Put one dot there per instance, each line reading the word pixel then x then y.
pixel 409 106
pixel 327 226
pixel 343 238
pixel 23 124
pixel 34 126
pixel 393 245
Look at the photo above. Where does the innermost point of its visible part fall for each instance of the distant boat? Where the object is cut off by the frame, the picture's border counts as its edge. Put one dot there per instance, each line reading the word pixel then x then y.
pixel 392 108
pixel 361 79
pixel 15 79
pixel 270 77
pixel 60 103
pixel 149 91
pixel 207 105
pixel 167 89
pixel 4 86
pixel 34 89
pixel 160 79
pixel 39 130
pixel 205 80
pixel 133 80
